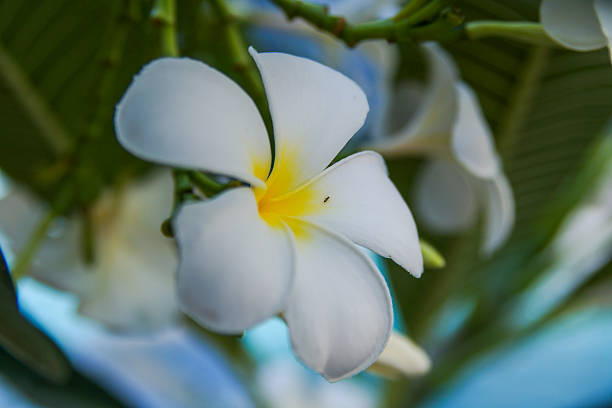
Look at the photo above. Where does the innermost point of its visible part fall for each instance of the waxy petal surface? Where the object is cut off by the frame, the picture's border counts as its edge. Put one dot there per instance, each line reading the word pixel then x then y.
pixel 339 313
pixel 603 8
pixel 183 113
pixel 315 111
pixel 235 269
pixel 572 23
pixel 356 199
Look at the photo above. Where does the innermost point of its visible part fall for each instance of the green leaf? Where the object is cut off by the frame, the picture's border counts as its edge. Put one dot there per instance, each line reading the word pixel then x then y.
pixel 77 393
pixel 25 341
pixel 64 64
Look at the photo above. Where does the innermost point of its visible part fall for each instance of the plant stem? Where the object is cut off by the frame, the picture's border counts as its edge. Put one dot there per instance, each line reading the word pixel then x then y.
pixel 163 15
pixel 410 8
pixel 427 12
pixel 205 183
pixel 183 190
pixel 241 60
pixel 392 29
pixel 60 204
pixel 528 32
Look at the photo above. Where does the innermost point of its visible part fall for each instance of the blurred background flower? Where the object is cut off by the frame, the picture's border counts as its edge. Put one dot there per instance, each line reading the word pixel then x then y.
pixel 129 284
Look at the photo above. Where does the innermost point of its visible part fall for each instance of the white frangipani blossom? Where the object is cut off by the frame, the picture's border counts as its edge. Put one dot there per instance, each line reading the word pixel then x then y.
pixel 130 284
pixel 286 243
pixel 581 247
pixel 465 172
pixel 580 25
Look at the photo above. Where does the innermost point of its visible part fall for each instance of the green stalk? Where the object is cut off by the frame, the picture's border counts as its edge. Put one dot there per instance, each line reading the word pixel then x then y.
pixel 163 16
pixel 35 239
pixel 409 9
pixel 394 29
pixel 528 32
pixel 206 184
pixel 241 60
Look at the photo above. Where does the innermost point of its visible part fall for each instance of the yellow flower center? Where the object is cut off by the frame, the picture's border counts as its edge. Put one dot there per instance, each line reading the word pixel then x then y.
pixel 278 203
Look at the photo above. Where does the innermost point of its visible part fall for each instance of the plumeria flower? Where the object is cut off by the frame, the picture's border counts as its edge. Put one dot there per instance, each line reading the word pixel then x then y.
pixel 286 243
pixel 371 64
pixel 580 25
pixel 464 173
pixel 582 246
pixel 130 284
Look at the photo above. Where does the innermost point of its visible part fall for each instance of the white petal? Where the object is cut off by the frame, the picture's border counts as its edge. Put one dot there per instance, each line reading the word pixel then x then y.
pixel 499 212
pixel 401 357
pixel 132 285
pixel 132 289
pixel 183 113
pixel 603 8
pixel 445 199
pixel 235 270
pixel 431 127
pixel 339 312
pixel 315 111
pixel 572 23
pixel 356 199
pixel 472 141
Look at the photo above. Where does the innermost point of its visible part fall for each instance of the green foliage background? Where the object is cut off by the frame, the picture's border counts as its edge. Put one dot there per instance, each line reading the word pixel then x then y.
pixel 64 64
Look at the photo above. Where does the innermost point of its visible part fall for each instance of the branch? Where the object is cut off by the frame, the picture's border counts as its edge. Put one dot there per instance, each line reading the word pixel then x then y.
pixel 419 20
pixel 163 16
pixel 242 62
pixel 413 23
pixel 528 32
pixel 59 206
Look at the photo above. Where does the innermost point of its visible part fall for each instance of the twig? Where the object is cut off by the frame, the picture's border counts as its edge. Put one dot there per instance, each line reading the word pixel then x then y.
pixel 60 204
pixel 416 15
pixel 529 32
